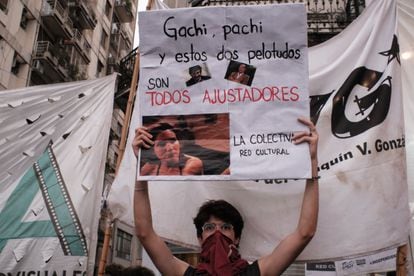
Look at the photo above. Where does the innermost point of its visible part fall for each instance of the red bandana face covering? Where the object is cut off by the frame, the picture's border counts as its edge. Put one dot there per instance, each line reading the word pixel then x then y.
pixel 220 257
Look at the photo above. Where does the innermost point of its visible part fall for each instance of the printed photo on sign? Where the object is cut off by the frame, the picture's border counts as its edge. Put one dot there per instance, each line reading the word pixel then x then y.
pixel 240 73
pixel 197 73
pixel 187 145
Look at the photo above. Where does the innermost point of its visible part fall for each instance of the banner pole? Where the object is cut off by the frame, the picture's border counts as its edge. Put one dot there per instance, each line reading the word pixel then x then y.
pixel 128 112
pixel 105 247
pixel 122 144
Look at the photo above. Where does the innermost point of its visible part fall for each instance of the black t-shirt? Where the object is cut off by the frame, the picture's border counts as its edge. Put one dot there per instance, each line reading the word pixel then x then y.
pixel 250 270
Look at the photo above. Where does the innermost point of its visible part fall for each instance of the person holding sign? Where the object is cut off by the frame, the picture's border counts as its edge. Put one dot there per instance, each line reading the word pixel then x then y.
pixel 219 226
pixel 164 156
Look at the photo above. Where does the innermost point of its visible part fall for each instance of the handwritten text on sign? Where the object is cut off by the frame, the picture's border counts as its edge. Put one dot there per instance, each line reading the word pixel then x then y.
pixel 241 72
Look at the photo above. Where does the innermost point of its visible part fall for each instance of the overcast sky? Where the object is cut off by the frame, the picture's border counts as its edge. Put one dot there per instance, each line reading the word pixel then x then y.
pixel 141 7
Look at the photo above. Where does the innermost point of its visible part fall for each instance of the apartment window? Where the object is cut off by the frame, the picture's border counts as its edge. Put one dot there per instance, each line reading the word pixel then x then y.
pixel 108 8
pixel 115 162
pixel 24 19
pixel 3 4
pixel 119 128
pixel 123 245
pixel 17 62
pixel 99 69
pixel 104 38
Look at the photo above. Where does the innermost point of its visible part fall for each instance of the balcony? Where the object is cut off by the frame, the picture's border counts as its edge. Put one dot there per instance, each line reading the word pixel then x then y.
pixel 126 43
pixel 126 68
pixel 50 62
pixel 325 18
pixel 56 20
pixel 115 36
pixel 126 32
pixel 123 9
pixel 81 45
pixel 77 72
pixel 120 37
pixel 82 16
pixel 112 65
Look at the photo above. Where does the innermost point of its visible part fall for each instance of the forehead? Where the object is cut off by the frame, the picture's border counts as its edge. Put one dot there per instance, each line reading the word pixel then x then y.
pixel 215 220
pixel 166 135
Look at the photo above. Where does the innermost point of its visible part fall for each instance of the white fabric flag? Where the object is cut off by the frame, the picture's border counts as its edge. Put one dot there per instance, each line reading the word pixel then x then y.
pixel 380 262
pixel 406 32
pixel 356 98
pixel 53 141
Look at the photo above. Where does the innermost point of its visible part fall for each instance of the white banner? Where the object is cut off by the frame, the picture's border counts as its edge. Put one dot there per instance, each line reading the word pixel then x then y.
pixel 406 32
pixel 53 142
pixel 320 269
pixel 356 99
pixel 235 80
pixel 379 262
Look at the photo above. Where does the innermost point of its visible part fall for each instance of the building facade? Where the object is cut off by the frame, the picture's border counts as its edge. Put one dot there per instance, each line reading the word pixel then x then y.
pixel 326 18
pixel 53 41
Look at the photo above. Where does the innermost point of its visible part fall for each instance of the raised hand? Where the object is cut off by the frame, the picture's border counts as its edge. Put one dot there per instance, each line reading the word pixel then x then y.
pixel 142 139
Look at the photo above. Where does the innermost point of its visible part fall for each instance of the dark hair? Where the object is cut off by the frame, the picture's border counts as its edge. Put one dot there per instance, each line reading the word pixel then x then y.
pixel 119 270
pixel 220 209
pixel 194 68
pixel 137 271
pixel 148 155
pixel 160 128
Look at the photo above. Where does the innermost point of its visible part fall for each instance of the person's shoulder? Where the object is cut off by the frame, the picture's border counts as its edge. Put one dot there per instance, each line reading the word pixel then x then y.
pixel 205 77
pixel 149 169
pixel 251 270
pixel 193 165
pixel 192 160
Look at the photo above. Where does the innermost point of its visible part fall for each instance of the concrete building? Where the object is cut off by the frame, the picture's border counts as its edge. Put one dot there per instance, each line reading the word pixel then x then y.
pixel 52 41
pixel 326 18
pixel 19 25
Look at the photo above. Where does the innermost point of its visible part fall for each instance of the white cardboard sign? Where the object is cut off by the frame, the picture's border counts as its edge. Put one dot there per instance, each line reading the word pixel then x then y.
pixel 228 83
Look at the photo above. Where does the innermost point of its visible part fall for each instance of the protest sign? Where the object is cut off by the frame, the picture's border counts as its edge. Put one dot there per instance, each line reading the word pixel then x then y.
pixel 221 89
